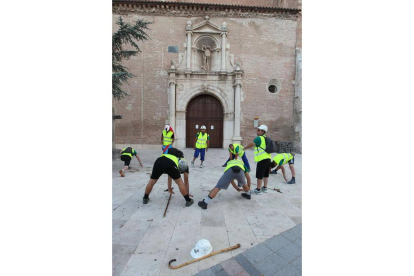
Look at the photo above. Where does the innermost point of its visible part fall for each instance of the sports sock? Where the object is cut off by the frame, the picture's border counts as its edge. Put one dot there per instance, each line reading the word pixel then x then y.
pixel 249 193
pixel 207 199
pixel 146 196
pixel 257 189
pixel 187 198
pixel 293 177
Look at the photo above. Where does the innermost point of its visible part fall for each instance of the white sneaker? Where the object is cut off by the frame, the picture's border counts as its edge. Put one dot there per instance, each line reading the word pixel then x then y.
pixel 264 190
pixel 201 165
pixel 192 163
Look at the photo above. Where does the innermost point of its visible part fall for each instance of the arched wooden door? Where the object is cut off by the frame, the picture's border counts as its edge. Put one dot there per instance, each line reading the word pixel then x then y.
pixel 205 110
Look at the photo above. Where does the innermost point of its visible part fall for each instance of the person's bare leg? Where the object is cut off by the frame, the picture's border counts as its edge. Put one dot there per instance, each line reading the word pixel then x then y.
pixel 125 168
pixel 181 186
pixel 249 181
pixel 259 183
pixel 150 184
pixel 292 169
pixel 266 180
pixel 246 188
pixel 214 192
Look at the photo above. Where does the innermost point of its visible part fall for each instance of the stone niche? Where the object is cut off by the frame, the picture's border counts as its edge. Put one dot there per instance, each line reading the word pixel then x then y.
pixel 206 67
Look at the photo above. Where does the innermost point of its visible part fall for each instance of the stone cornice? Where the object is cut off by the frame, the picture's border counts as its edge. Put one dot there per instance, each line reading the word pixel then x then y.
pixel 159 8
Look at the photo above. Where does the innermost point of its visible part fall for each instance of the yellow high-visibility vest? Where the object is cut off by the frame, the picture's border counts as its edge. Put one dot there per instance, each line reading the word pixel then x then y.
pixel 259 152
pixel 241 149
pixel 285 156
pixel 234 162
pixel 167 137
pixel 172 157
pixel 202 140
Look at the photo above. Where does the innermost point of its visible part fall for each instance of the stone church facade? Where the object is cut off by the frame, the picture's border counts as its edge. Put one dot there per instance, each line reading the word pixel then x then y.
pixel 228 66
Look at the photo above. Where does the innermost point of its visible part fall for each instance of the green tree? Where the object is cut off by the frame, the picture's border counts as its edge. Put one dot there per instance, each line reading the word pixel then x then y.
pixel 127 36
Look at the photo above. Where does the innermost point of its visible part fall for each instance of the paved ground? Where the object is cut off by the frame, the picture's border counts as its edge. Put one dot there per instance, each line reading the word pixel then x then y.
pixel 144 242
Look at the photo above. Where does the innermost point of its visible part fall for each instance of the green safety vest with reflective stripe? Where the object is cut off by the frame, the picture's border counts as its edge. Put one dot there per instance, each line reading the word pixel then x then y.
pixel 202 140
pixel 127 153
pixel 241 149
pixel 172 157
pixel 167 137
pixel 235 162
pixel 285 156
pixel 259 152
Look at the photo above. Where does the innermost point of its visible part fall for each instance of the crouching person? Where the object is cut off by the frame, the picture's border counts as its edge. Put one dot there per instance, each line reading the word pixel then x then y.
pixel 282 159
pixel 172 166
pixel 234 170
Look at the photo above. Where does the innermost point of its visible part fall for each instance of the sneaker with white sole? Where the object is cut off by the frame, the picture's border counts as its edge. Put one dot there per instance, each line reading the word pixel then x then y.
pixel 264 189
pixel 291 181
pixel 121 172
pixel 192 163
pixel 201 165
pixel 257 191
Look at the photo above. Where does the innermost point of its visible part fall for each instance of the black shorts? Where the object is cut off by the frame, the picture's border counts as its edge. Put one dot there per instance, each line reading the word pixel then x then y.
pixel 126 159
pixel 291 161
pixel 263 168
pixel 165 165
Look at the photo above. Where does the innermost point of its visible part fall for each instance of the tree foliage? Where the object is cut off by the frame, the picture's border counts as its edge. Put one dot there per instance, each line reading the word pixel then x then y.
pixel 127 36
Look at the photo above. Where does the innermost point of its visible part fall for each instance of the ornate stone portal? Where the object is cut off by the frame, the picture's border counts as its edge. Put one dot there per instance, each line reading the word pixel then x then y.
pixel 206 67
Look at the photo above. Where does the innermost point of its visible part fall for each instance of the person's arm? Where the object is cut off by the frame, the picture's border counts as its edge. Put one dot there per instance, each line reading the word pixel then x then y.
pixel 195 142
pixel 249 146
pixel 231 156
pixel 139 160
pixel 235 186
pixel 283 171
pixel 187 183
pixel 169 185
pixel 162 139
pixel 208 142
pixel 173 139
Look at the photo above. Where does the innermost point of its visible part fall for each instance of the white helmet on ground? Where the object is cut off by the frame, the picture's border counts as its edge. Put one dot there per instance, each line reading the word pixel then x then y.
pixel 182 165
pixel 203 127
pixel 263 127
pixel 202 248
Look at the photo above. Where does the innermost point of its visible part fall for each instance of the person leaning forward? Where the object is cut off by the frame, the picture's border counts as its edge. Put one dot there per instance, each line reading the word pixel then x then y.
pixel 172 166
pixel 282 159
pixel 201 144
pixel 237 150
pixel 126 156
pixel 234 170
pixel 261 157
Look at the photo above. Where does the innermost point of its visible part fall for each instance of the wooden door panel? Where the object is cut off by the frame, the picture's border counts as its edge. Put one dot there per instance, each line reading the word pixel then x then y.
pixel 205 110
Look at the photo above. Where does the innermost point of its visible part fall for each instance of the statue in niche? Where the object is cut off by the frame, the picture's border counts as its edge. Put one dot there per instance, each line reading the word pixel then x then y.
pixel 206 57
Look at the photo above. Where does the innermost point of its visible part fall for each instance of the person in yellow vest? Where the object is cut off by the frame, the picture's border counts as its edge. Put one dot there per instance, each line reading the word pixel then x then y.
pixel 201 144
pixel 282 159
pixel 262 158
pixel 173 166
pixel 237 150
pixel 167 138
pixel 234 170
pixel 126 156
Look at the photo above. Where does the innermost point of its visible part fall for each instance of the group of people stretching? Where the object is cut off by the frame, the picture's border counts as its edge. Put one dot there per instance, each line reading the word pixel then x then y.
pixel 237 166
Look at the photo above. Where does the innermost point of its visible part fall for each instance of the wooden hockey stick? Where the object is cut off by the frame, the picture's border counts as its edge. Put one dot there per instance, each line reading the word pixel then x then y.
pixel 198 259
pixel 165 212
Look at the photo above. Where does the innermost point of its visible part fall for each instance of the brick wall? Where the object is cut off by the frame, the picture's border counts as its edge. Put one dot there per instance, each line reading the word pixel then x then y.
pixel 265 47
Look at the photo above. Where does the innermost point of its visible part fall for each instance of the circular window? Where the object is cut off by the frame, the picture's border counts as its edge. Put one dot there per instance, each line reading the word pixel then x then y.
pixel 273 86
